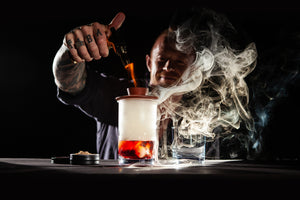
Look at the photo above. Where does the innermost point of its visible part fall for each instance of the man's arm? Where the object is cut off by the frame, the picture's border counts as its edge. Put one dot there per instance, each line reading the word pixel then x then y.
pixel 70 76
pixel 82 44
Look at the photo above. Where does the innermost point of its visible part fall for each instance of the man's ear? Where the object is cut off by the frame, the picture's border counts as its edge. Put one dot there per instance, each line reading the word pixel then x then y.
pixel 148 62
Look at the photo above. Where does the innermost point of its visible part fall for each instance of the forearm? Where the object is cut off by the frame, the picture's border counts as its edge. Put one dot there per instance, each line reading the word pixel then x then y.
pixel 69 76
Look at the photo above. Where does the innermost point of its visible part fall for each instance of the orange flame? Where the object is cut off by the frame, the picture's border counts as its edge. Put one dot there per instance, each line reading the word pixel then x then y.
pixel 130 68
pixel 111 45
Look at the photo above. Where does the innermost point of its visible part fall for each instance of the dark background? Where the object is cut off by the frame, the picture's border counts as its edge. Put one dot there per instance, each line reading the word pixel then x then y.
pixel 35 124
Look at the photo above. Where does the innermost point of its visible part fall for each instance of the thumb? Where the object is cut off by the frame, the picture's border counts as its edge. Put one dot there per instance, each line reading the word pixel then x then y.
pixel 117 21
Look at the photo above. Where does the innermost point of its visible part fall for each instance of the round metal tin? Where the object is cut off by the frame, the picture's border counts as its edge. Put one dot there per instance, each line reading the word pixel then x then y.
pixel 84 159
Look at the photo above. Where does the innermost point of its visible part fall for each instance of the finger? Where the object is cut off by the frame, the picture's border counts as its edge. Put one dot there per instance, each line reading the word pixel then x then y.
pixel 117 21
pixel 90 42
pixel 69 41
pixel 101 39
pixel 80 45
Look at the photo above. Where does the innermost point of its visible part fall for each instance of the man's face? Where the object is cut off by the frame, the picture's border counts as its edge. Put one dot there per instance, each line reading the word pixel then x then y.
pixel 166 64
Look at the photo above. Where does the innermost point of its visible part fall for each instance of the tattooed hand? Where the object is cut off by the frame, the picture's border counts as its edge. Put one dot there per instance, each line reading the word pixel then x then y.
pixel 89 42
pixel 85 43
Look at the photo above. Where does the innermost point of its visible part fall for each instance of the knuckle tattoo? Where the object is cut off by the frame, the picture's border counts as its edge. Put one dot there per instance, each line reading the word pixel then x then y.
pixel 69 43
pixel 98 32
pixel 89 38
pixel 79 43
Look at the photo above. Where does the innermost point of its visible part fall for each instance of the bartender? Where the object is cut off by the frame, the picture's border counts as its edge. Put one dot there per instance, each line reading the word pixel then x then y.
pixel 93 92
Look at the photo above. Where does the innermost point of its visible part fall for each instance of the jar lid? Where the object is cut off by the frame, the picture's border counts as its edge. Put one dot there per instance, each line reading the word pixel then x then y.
pixel 137 93
pixel 136 97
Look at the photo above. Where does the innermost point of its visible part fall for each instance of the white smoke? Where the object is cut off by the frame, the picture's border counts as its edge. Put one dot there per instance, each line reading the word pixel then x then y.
pixel 213 89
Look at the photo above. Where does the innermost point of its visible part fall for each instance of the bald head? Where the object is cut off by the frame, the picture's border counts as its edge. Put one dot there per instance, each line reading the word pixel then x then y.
pixel 166 64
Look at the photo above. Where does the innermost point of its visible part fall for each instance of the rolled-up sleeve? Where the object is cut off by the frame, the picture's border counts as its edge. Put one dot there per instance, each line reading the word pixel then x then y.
pixel 97 99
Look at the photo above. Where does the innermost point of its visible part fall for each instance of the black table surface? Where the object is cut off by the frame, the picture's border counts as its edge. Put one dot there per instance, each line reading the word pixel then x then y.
pixel 213 175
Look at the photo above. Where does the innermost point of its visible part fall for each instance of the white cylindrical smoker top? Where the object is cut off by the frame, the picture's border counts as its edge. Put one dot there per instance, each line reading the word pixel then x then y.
pixel 137 117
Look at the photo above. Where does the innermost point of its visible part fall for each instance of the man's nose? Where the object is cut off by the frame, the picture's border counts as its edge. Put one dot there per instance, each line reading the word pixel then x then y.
pixel 167 67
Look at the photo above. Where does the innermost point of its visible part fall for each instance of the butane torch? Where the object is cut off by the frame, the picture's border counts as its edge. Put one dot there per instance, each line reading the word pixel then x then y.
pixel 119 46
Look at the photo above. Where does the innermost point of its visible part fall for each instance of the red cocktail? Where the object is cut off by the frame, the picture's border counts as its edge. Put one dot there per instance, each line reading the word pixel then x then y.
pixel 135 150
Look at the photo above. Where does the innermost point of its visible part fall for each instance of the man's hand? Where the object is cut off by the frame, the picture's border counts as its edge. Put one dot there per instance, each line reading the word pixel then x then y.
pixel 89 42
pixel 82 44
